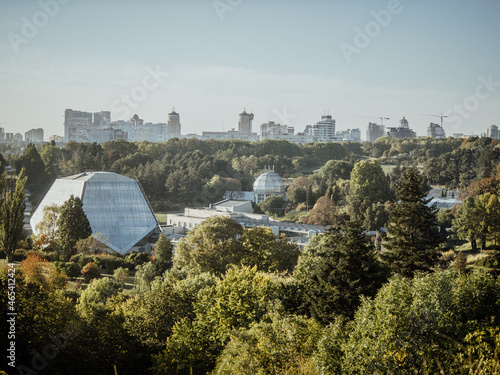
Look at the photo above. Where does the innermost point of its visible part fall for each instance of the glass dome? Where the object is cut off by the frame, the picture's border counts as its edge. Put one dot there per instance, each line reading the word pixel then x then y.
pixel 268 183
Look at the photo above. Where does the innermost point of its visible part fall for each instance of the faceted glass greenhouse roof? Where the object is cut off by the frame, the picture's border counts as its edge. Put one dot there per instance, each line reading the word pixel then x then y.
pixel 115 206
pixel 268 183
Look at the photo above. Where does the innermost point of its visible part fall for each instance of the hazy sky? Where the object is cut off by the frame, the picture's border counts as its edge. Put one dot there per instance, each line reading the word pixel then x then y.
pixel 289 61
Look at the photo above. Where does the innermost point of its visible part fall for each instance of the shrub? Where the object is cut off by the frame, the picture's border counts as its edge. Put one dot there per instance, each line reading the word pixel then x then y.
pixel 69 268
pixel 90 272
pixel 137 258
pixel 120 275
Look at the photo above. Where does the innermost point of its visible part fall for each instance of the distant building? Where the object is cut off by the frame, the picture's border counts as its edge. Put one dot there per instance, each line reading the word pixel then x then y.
pixel 245 122
pixel 323 129
pixel 271 130
pixel 492 132
pixel 435 131
pixel 102 118
pixel 402 131
pixel 76 125
pixel 239 211
pixel 230 134
pixel 173 124
pixel 2 134
pixel 18 137
pixel 374 131
pixel 34 135
pixel 353 135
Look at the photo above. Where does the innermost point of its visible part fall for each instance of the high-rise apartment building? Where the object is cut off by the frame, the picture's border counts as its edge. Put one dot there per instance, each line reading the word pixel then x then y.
pixel 173 124
pixel 324 129
pixel 245 122
pixel 76 125
pixel 435 131
pixel 34 135
pixel 492 132
pixel 374 131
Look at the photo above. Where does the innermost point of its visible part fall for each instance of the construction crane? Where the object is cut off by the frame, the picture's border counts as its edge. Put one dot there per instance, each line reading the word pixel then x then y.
pixel 437 116
pixel 382 120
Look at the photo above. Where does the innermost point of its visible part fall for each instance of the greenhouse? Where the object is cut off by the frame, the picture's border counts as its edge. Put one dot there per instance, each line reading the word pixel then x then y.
pixel 116 207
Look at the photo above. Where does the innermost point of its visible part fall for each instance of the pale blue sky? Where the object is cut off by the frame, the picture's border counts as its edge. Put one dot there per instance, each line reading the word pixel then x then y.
pixel 280 59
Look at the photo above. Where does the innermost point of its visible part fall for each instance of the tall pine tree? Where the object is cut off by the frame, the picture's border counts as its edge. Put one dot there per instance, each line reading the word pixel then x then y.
pixel 73 225
pixel 412 237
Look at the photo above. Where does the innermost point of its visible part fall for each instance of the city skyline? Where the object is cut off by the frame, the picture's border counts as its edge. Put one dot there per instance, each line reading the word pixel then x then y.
pixel 288 62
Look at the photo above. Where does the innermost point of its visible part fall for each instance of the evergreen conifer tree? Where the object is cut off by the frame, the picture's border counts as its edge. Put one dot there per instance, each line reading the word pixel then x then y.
pixel 412 236
pixel 73 225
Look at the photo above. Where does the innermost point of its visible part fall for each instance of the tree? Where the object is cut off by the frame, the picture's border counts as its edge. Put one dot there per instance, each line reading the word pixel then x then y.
pixel 73 225
pixel 420 324
pixel 368 182
pixel 412 236
pixel 466 222
pixel 34 166
pixel 282 346
pixel 120 276
pixel 47 230
pixel 93 299
pixel 324 212
pixel 163 252
pixel 273 205
pixel 261 248
pixel 335 170
pixel 297 191
pixel 335 271
pixel 210 247
pixel 12 208
pixel 213 191
pixel 90 272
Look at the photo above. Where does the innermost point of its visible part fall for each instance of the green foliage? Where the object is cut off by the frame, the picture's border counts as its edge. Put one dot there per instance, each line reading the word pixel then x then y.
pixel 368 182
pixel 120 275
pixel 144 276
pixel 274 205
pixel 419 324
pixel 150 315
pixel 261 248
pixel 34 166
pixel 241 298
pixel 93 299
pixel 335 271
pixel 282 346
pixel 163 252
pixel 412 237
pixel 210 247
pixel 335 170
pixel 12 208
pixel 73 225
pixel 69 268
